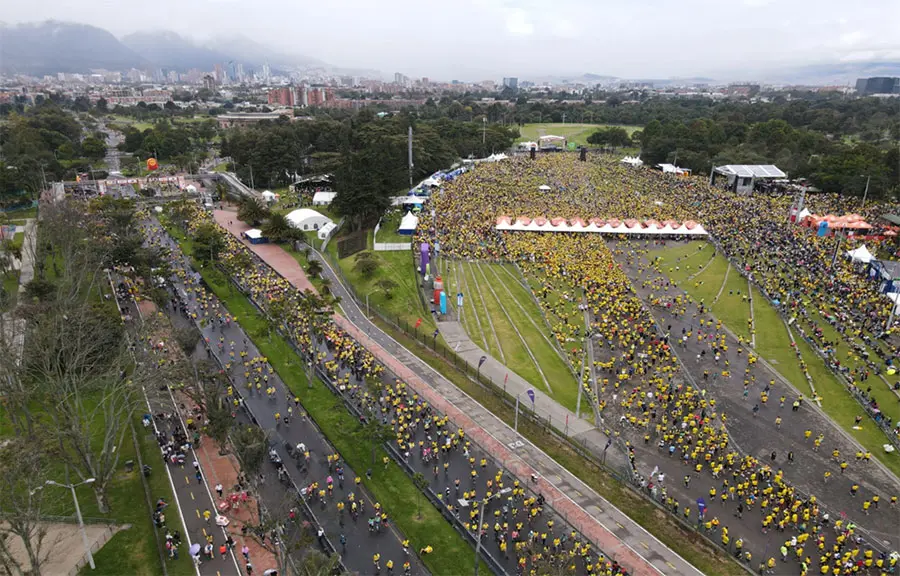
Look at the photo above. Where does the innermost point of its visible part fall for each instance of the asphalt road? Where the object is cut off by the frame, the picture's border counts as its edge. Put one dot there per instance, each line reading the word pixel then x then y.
pixel 441 478
pixel 192 496
pixel 758 435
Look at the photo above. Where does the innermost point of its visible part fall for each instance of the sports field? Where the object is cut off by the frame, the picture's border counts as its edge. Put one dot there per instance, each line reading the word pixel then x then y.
pixel 500 315
pixel 576 133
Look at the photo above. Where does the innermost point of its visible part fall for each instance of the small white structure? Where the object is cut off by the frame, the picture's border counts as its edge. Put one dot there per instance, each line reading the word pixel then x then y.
pixel 526 146
pixel 408 224
pixel 323 198
pixel 861 254
pixel 544 188
pixel 191 189
pixel 673 169
pixel 632 161
pixel 268 196
pixel 803 214
pixel 325 230
pixel 551 140
pixel 742 177
pixel 306 219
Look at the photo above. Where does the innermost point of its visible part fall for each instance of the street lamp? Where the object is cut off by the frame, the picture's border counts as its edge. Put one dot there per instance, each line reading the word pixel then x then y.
pixel 866 193
pixel 84 540
pixel 484 502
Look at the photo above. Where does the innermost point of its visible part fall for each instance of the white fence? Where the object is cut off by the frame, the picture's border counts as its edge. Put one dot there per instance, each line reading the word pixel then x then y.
pixel 388 246
pixel 392 246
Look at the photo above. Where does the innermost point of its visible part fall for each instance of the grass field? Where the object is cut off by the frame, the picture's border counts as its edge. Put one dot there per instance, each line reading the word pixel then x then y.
pixel 500 316
pixel 773 342
pixel 389 485
pixel 401 303
pixel 576 133
pixel 388 230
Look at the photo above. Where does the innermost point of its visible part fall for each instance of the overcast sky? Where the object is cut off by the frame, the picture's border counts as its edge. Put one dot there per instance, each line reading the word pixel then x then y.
pixel 488 39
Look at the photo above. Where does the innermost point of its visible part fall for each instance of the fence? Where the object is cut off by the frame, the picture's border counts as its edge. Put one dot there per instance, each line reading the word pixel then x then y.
pixel 387 246
pixel 558 431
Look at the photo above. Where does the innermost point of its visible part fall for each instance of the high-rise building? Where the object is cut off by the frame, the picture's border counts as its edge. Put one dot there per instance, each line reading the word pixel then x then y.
pixel 283 96
pixel 240 72
pixel 266 72
pixel 512 83
pixel 879 85
pixel 219 74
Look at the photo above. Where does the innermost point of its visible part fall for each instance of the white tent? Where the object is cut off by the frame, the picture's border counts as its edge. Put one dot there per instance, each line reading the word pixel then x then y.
pixel 306 219
pixel 413 200
pixel 268 196
pixel 253 234
pixel 632 161
pixel 544 188
pixel 323 198
pixel 526 145
pixel 325 230
pixel 861 254
pixel 191 189
pixel 408 224
pixel 895 298
pixel 803 214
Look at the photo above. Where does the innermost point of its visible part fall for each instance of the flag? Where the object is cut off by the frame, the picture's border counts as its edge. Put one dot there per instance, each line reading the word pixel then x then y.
pixel 482 360
pixel 436 332
pixel 506 378
pixel 418 322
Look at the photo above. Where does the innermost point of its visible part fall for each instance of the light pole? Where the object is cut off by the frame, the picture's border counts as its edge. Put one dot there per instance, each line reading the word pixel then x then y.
pixel 866 193
pixel 484 502
pixel 84 540
pixel 483 130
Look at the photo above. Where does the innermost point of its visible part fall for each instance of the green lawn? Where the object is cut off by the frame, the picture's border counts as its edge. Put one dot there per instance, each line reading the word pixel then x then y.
pixel 390 486
pixel 402 303
pixel 524 312
pixel 477 317
pixel 733 305
pixel 388 230
pixel 577 133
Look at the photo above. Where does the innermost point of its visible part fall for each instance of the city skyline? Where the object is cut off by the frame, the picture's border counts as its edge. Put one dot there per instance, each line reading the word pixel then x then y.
pixel 481 39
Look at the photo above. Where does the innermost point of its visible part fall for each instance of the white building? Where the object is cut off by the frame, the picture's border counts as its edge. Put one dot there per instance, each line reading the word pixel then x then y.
pixel 306 219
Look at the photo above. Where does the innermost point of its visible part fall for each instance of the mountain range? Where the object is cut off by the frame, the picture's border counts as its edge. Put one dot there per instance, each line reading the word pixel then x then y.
pixel 50 47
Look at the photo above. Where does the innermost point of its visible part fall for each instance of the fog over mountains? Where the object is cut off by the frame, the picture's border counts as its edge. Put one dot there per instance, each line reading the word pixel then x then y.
pixel 49 47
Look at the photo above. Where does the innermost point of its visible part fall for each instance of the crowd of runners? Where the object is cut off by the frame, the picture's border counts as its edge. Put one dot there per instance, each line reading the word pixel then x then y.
pixel 517 527
pixel 642 390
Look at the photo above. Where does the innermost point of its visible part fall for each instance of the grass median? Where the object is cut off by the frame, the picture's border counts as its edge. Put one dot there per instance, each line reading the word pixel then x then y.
pixel 703 555
pixel 390 486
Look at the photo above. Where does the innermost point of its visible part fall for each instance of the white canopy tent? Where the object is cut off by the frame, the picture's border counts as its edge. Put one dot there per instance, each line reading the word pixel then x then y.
pixel 325 230
pixel 306 219
pixel 408 224
pixel 861 254
pixel 191 189
pixel 803 214
pixel 600 226
pixel 323 198
pixel 544 188
pixel 253 234
pixel 268 196
pixel 632 161
pixel 526 145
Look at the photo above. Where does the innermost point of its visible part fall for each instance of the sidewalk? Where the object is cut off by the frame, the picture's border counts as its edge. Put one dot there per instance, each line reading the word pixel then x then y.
pixel 610 529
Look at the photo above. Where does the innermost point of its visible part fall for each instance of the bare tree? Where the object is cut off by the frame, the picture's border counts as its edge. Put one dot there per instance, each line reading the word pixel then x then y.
pixel 22 476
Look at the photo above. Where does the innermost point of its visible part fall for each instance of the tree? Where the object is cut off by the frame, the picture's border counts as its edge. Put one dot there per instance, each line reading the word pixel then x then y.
pixel 314 268
pixel 421 485
pixel 252 211
pixel 251 446
pixel 388 286
pixel 377 433
pixel 102 105
pixel 315 563
pixel 23 472
pixel 93 148
pixel 366 264
pixel 209 242
pixel 278 228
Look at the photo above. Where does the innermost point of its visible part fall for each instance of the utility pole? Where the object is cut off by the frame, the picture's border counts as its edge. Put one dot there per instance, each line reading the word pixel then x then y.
pixel 252 187
pixel 483 130
pixel 409 145
pixel 866 193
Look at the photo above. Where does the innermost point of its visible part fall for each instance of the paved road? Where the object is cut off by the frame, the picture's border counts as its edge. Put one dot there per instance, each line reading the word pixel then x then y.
pixel 758 435
pixel 361 544
pixel 192 494
pixel 443 480
pixel 599 520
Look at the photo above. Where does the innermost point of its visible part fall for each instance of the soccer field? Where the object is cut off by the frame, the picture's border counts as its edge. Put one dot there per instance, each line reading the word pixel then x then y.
pixel 576 133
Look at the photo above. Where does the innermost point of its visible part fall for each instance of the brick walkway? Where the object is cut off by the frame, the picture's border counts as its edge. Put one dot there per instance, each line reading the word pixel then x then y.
pixel 224 470
pixel 273 254
pixel 595 531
